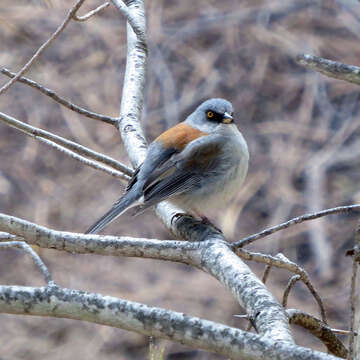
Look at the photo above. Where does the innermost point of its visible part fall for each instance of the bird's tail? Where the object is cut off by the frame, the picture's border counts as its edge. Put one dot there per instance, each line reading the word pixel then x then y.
pixel 122 205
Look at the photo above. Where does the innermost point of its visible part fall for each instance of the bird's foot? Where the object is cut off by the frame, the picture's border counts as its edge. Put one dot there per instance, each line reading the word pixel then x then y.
pixel 206 221
pixel 179 215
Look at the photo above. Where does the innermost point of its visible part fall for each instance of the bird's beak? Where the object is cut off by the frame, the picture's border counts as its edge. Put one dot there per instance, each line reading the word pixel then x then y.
pixel 227 118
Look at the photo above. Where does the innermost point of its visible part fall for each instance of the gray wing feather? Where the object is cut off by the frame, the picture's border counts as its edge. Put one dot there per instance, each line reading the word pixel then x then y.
pixel 183 171
pixel 172 185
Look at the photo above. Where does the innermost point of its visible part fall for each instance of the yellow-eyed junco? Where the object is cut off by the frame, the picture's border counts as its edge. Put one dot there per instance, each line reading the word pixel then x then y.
pixel 197 164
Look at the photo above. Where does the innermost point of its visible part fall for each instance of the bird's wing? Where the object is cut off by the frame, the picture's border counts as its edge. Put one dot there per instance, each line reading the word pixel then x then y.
pixel 162 149
pixel 183 171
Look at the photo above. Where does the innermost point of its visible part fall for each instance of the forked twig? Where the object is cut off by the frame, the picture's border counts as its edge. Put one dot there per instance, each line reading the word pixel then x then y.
pixel 131 20
pixel 306 280
pixel 281 261
pixel 36 258
pixel 91 13
pixel 297 220
pixel 61 100
pixel 44 46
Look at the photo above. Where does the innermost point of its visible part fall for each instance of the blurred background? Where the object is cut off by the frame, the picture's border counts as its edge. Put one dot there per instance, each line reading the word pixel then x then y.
pixel 301 127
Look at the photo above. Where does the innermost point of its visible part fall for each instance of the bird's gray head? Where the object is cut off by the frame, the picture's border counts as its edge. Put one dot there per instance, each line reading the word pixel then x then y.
pixel 212 112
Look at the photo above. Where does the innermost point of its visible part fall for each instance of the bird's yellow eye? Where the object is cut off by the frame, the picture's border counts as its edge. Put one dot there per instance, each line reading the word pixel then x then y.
pixel 210 114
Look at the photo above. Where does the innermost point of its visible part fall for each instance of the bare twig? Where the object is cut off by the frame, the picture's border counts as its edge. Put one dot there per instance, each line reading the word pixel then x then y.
pixel 306 280
pixel 266 273
pixel 71 148
pixel 320 330
pixel 91 13
pixel 44 46
pixel 36 258
pixel 61 100
pixel 282 262
pixel 334 69
pixel 84 160
pixel 297 220
pixel 288 288
pixel 243 316
pixel 344 332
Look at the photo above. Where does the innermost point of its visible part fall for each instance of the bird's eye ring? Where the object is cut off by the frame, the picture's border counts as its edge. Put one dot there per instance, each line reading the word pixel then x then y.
pixel 210 114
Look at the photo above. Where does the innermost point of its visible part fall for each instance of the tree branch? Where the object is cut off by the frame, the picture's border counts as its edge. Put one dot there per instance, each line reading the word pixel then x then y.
pixel 91 13
pixel 259 303
pixel 69 105
pixel 266 273
pixel 179 251
pixel 134 21
pixel 281 261
pixel 288 288
pixel 149 321
pixel 133 87
pixel 44 46
pixel 320 330
pixel 334 69
pixel 70 148
pixel 36 258
pixel 297 220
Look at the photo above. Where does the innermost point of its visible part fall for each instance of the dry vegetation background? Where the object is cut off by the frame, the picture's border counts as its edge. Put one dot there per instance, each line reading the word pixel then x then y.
pixel 302 130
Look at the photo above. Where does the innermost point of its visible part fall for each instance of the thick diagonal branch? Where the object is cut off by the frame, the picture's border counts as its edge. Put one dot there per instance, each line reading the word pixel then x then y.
pixel 259 303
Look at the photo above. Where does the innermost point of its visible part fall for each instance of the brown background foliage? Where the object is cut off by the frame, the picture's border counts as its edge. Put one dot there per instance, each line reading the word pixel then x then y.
pixel 302 130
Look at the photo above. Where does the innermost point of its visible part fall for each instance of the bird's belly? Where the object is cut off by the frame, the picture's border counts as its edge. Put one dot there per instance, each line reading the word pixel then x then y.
pixel 214 192
pixel 218 184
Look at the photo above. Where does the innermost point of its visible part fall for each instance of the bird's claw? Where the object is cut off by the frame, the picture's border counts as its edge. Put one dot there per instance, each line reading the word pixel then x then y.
pixel 177 216
pixel 206 221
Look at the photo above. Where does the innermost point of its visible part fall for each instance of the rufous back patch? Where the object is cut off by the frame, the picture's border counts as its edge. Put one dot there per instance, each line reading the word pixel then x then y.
pixel 179 136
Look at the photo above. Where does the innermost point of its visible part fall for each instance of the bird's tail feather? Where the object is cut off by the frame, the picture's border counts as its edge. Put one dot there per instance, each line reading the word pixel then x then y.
pixel 122 205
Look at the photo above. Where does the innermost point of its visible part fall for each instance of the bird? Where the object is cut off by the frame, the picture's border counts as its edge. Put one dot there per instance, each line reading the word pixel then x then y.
pixel 198 164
